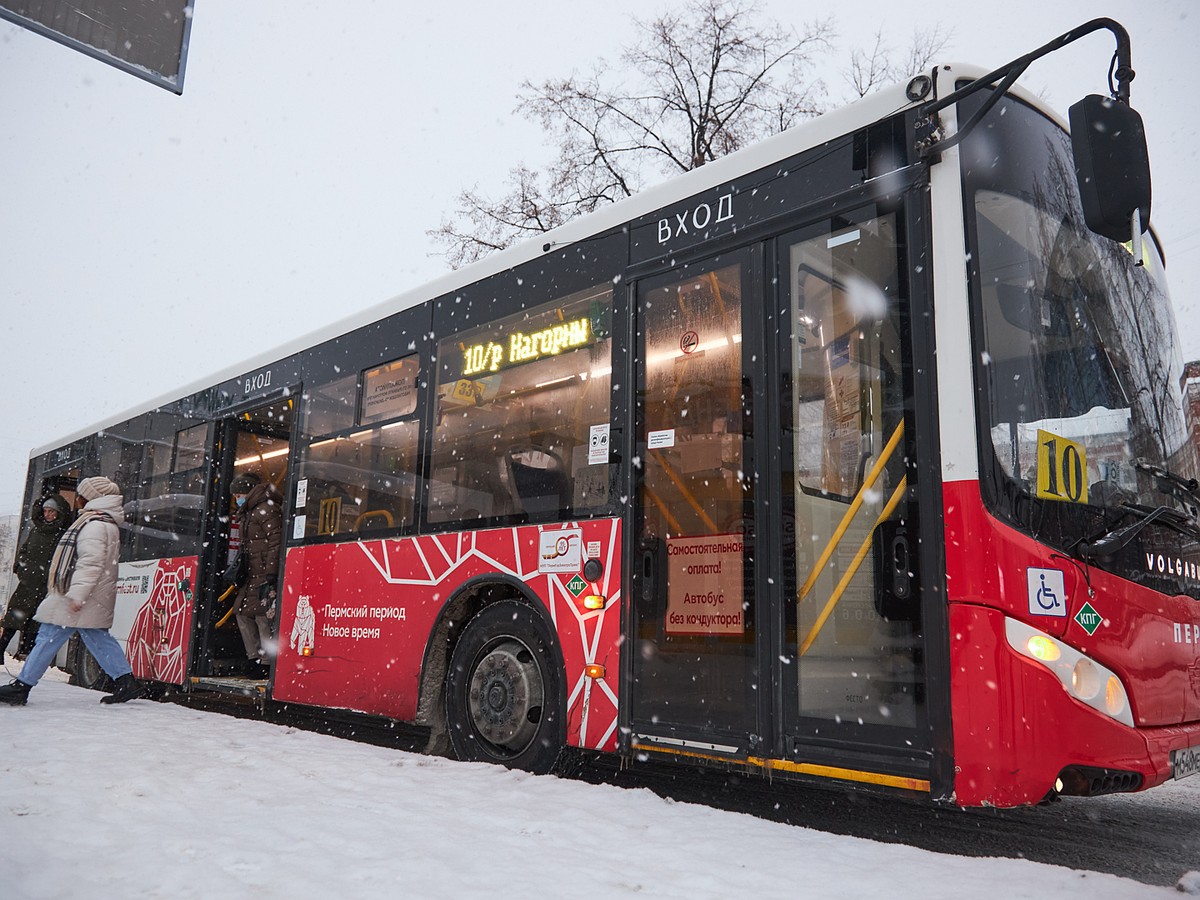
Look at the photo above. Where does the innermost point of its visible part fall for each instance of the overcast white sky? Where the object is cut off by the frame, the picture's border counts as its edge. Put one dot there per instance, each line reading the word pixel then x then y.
pixel 148 240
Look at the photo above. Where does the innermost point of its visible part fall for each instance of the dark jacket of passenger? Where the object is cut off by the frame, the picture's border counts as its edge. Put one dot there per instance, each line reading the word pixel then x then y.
pixel 261 523
pixel 32 564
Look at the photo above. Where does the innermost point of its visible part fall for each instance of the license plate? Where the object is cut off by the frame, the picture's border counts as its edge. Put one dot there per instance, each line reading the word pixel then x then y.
pixel 1185 762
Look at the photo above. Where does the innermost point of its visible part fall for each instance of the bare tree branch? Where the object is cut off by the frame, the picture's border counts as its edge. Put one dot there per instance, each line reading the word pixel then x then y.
pixel 703 81
pixel 870 70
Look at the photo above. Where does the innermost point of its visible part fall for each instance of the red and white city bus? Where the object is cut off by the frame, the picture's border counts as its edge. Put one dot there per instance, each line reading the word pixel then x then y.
pixel 856 455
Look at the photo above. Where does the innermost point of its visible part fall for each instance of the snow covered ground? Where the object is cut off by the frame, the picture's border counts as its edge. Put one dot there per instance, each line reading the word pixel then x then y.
pixel 157 800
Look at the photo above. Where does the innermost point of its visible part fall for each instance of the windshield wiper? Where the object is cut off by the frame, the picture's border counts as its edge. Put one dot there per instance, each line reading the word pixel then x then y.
pixel 1185 490
pixel 1111 541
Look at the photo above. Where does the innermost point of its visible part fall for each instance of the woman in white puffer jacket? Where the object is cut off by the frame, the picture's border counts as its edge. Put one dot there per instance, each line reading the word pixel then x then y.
pixel 82 596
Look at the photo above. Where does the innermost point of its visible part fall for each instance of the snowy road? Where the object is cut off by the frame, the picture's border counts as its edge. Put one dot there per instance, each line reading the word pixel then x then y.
pixel 159 800
pixel 1152 837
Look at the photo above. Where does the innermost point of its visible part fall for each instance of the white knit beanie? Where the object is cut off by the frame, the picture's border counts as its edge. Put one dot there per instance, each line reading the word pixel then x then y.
pixel 97 486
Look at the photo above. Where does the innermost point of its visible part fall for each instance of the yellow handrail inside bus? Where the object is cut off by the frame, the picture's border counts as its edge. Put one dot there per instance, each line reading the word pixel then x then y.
pixel 373 514
pixel 225 618
pixel 852 570
pixel 687 495
pixel 840 531
pixel 676 528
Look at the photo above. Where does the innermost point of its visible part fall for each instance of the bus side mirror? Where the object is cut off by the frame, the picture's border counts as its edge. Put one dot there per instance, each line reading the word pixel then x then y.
pixel 1112 166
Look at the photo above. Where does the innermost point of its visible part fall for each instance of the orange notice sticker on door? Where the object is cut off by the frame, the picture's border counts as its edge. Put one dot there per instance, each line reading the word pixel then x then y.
pixel 704 585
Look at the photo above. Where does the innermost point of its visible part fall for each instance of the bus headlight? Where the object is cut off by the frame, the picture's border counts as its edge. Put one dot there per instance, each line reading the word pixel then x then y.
pixel 1081 676
pixel 1085 681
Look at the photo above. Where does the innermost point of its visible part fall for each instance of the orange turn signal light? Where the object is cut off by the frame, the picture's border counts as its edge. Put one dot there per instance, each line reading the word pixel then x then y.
pixel 594 670
pixel 306 651
pixel 594 601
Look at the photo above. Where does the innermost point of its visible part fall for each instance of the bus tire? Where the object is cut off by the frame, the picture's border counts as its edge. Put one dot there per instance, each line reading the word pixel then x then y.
pixel 86 672
pixel 504 690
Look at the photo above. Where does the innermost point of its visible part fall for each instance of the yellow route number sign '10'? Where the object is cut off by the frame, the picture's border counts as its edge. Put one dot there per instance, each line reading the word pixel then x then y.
pixel 1061 469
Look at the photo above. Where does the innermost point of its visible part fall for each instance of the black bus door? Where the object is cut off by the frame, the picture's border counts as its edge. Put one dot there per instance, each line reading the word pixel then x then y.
pixel 696 616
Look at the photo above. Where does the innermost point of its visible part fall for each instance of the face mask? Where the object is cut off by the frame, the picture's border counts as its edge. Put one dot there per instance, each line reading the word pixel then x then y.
pixel 240 500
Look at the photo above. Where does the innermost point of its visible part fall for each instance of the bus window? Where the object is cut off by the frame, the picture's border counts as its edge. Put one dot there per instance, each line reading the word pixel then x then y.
pixel 119 449
pixel 159 451
pixel 362 479
pixel 389 391
pixel 167 516
pixel 519 400
pixel 329 407
pixel 855 640
pixel 359 482
pixel 694 392
pixel 842 341
pixel 119 452
pixel 188 470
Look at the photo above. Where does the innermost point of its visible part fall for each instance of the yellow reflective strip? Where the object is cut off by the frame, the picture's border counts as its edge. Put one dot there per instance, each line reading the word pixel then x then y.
pixel 852 570
pixel 899 781
pixel 787 765
pixel 840 531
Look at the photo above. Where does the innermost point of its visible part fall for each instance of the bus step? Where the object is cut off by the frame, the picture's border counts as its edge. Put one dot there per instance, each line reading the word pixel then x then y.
pixel 228 684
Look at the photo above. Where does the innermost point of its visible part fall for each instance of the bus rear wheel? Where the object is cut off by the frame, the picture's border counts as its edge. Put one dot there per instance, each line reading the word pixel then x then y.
pixel 504 697
pixel 85 671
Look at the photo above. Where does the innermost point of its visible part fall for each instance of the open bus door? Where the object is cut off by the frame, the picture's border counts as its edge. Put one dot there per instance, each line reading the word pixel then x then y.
pixel 253 441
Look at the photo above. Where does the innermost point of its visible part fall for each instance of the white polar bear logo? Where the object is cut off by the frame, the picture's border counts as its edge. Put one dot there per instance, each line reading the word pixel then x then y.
pixel 304 627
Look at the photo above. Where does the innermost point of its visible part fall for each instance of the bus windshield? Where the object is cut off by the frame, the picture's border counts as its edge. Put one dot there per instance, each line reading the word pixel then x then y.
pixel 1078 371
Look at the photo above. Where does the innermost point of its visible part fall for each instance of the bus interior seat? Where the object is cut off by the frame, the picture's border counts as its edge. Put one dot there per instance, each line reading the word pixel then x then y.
pixel 539 480
pixel 481 492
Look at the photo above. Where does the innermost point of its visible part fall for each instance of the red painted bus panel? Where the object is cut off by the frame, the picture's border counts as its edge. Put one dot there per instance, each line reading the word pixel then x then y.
pixel 158 596
pixel 365 612
pixel 1015 726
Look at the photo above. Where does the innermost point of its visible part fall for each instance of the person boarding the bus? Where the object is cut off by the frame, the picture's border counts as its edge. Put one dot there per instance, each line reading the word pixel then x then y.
pixel 51 514
pixel 82 595
pixel 260 518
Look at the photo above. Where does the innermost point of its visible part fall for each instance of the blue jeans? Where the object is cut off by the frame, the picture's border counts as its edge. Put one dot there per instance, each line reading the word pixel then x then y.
pixel 50 639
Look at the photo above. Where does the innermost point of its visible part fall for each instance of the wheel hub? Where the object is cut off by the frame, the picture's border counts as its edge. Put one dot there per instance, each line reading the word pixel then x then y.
pixel 505 696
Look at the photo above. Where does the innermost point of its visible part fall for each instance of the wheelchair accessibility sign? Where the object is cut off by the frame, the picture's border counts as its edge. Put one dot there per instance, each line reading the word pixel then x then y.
pixel 1047 592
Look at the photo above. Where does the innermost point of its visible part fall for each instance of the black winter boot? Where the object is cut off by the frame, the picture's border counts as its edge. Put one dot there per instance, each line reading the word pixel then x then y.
pixel 127 688
pixel 15 694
